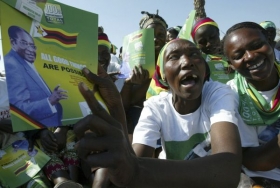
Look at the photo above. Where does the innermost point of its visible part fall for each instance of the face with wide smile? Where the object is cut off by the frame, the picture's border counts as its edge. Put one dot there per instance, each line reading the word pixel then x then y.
pixel 250 53
pixel 184 69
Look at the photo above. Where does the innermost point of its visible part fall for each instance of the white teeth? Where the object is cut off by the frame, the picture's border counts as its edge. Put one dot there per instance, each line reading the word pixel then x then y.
pixel 193 76
pixel 255 66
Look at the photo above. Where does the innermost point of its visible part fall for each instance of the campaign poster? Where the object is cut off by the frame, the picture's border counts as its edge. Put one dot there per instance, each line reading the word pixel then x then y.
pixel 138 49
pixel 219 68
pixel 18 165
pixel 45 46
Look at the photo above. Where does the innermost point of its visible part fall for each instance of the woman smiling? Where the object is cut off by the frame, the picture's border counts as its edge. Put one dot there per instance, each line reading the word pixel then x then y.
pixel 257 88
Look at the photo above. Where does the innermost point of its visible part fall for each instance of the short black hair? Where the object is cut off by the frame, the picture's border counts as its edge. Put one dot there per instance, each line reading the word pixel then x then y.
pixel 173 30
pixel 251 25
pixel 14 30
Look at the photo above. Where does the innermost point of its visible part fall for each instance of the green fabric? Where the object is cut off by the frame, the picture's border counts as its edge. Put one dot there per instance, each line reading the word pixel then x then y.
pixel 178 150
pixel 250 112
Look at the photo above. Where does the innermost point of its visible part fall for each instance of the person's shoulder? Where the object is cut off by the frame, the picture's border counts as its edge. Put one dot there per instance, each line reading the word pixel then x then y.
pixel 11 58
pixel 158 100
pixel 232 85
pixel 215 90
pixel 212 86
pixel 10 54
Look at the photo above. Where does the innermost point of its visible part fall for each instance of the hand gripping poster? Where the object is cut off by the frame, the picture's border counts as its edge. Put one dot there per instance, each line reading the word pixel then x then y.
pixel 138 49
pixel 45 46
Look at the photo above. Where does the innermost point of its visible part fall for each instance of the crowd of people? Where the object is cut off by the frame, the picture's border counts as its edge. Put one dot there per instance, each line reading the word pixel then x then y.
pixel 207 117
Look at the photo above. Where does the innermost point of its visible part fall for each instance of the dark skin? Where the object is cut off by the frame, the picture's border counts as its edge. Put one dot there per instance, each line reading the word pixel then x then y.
pixel 135 87
pixel 55 142
pixel 6 125
pixel 99 177
pixel 181 59
pixel 104 59
pixel 107 146
pixel 271 34
pixel 245 49
pixel 120 54
pixel 24 45
pixel 208 39
pixel 171 35
pixel 160 37
pixel 184 59
pixel 104 56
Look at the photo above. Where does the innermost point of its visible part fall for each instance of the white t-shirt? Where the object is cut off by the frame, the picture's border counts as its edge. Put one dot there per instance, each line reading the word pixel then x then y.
pixel 4 100
pixel 253 136
pixel 185 136
pixel 114 65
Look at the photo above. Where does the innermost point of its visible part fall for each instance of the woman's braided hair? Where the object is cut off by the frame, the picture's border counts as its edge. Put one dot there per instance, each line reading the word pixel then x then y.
pixel 150 19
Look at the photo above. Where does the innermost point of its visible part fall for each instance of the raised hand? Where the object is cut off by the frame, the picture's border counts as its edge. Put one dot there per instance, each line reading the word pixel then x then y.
pixel 57 95
pixel 107 89
pixel 139 75
pixel 113 75
pixel 105 145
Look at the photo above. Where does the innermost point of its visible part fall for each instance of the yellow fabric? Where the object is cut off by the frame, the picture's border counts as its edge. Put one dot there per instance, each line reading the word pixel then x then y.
pixel 104 43
pixel 207 23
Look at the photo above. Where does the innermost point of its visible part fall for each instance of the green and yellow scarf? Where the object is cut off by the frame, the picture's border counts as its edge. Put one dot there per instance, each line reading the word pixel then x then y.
pixel 253 107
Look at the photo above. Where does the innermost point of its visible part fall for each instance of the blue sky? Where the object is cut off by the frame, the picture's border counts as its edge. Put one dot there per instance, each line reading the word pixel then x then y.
pixel 121 17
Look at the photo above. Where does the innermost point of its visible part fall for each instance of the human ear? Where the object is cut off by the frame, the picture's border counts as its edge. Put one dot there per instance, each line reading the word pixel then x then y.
pixel 231 66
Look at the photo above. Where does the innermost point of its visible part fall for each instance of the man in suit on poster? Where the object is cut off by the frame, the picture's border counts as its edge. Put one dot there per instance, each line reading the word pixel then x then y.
pixel 27 89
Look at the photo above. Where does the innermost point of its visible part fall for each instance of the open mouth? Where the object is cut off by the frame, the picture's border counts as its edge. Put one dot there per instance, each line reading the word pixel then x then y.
pixel 253 67
pixel 189 80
